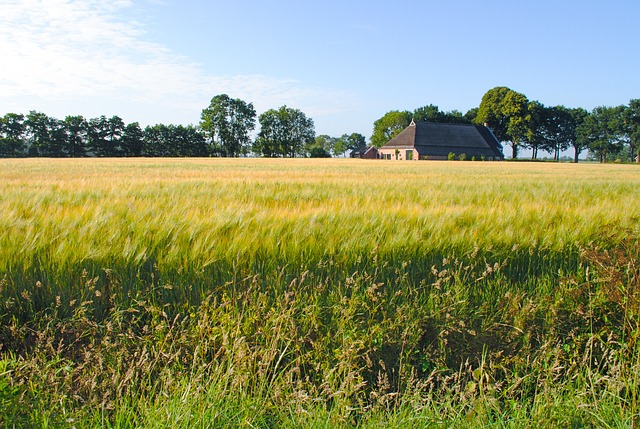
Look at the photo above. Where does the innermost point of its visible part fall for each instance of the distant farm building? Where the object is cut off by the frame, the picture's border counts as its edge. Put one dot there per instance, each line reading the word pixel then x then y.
pixel 427 140
pixel 364 152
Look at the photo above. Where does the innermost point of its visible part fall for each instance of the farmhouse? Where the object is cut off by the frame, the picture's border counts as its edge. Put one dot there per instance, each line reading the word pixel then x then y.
pixel 427 140
pixel 364 152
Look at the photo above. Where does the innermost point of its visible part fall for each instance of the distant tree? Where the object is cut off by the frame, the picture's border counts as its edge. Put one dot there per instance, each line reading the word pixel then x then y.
pixel 576 117
pixel 12 135
pixel 432 113
pixel 104 136
pixel 389 126
pixel 322 145
pixel 456 117
pixel 96 136
pixel 603 131
pixel 155 141
pixel 491 112
pixel 516 108
pixel 227 123
pixel 132 140
pixel 538 133
pixel 158 141
pixel 37 125
pixel 349 142
pixel 190 141
pixel 57 139
pixel 549 129
pixel 559 130
pixel 115 130
pixel 506 112
pixel 285 132
pixel 319 152
pixel 471 115
pixel 75 129
pixel 632 122
pixel 173 141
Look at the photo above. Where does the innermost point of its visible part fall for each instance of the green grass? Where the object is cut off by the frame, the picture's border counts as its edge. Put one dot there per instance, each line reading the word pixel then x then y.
pixel 303 293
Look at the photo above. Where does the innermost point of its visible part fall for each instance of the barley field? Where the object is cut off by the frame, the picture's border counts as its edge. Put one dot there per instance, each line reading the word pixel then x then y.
pixel 318 293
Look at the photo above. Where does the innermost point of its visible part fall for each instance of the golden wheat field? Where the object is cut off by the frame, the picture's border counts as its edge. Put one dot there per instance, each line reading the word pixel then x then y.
pixel 198 211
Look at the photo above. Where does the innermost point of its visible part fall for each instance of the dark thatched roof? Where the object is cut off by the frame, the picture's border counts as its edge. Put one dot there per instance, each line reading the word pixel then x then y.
pixel 438 140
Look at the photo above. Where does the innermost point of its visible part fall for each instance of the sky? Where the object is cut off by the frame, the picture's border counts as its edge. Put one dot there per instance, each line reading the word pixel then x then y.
pixel 344 63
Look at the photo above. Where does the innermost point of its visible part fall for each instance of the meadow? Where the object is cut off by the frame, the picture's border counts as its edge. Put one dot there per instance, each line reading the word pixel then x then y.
pixel 318 293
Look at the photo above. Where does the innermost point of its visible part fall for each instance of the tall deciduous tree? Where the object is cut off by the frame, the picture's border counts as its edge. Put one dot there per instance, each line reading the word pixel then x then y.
pixel 12 135
pixel 429 113
pixel 349 142
pixel 96 136
pixel 559 129
pixel 389 126
pixel 576 116
pixel 228 123
pixel 550 128
pixel 603 131
pixel 173 140
pixel 471 115
pixel 132 140
pixel 506 113
pixel 432 113
pixel 37 126
pixel 104 136
pixel 75 129
pixel 538 134
pixel 284 133
pixel 632 121
pixel 322 146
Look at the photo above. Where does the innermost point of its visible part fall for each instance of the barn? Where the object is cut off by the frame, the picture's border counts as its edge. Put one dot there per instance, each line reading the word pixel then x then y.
pixel 364 152
pixel 428 140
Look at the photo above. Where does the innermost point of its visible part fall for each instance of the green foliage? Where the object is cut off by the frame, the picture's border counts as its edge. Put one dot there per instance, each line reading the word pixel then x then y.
pixel 389 126
pixel 227 123
pixel 632 122
pixel 104 136
pixel 471 115
pixel 506 112
pixel 349 142
pixel 285 132
pixel 322 146
pixel 12 130
pixel 451 156
pixel 42 136
pixel 432 113
pixel 603 131
pixel 132 140
pixel 172 141
pixel 491 112
pixel 76 136
pixel 319 152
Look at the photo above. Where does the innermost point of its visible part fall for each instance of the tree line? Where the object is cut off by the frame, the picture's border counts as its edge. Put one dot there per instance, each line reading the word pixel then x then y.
pixel 39 135
pixel 224 130
pixel 227 125
pixel 608 133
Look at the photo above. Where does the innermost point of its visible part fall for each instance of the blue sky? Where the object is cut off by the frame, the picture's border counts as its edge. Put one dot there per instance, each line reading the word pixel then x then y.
pixel 344 63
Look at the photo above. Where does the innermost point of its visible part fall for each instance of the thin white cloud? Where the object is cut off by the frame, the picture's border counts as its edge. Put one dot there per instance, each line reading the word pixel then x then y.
pixel 67 49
